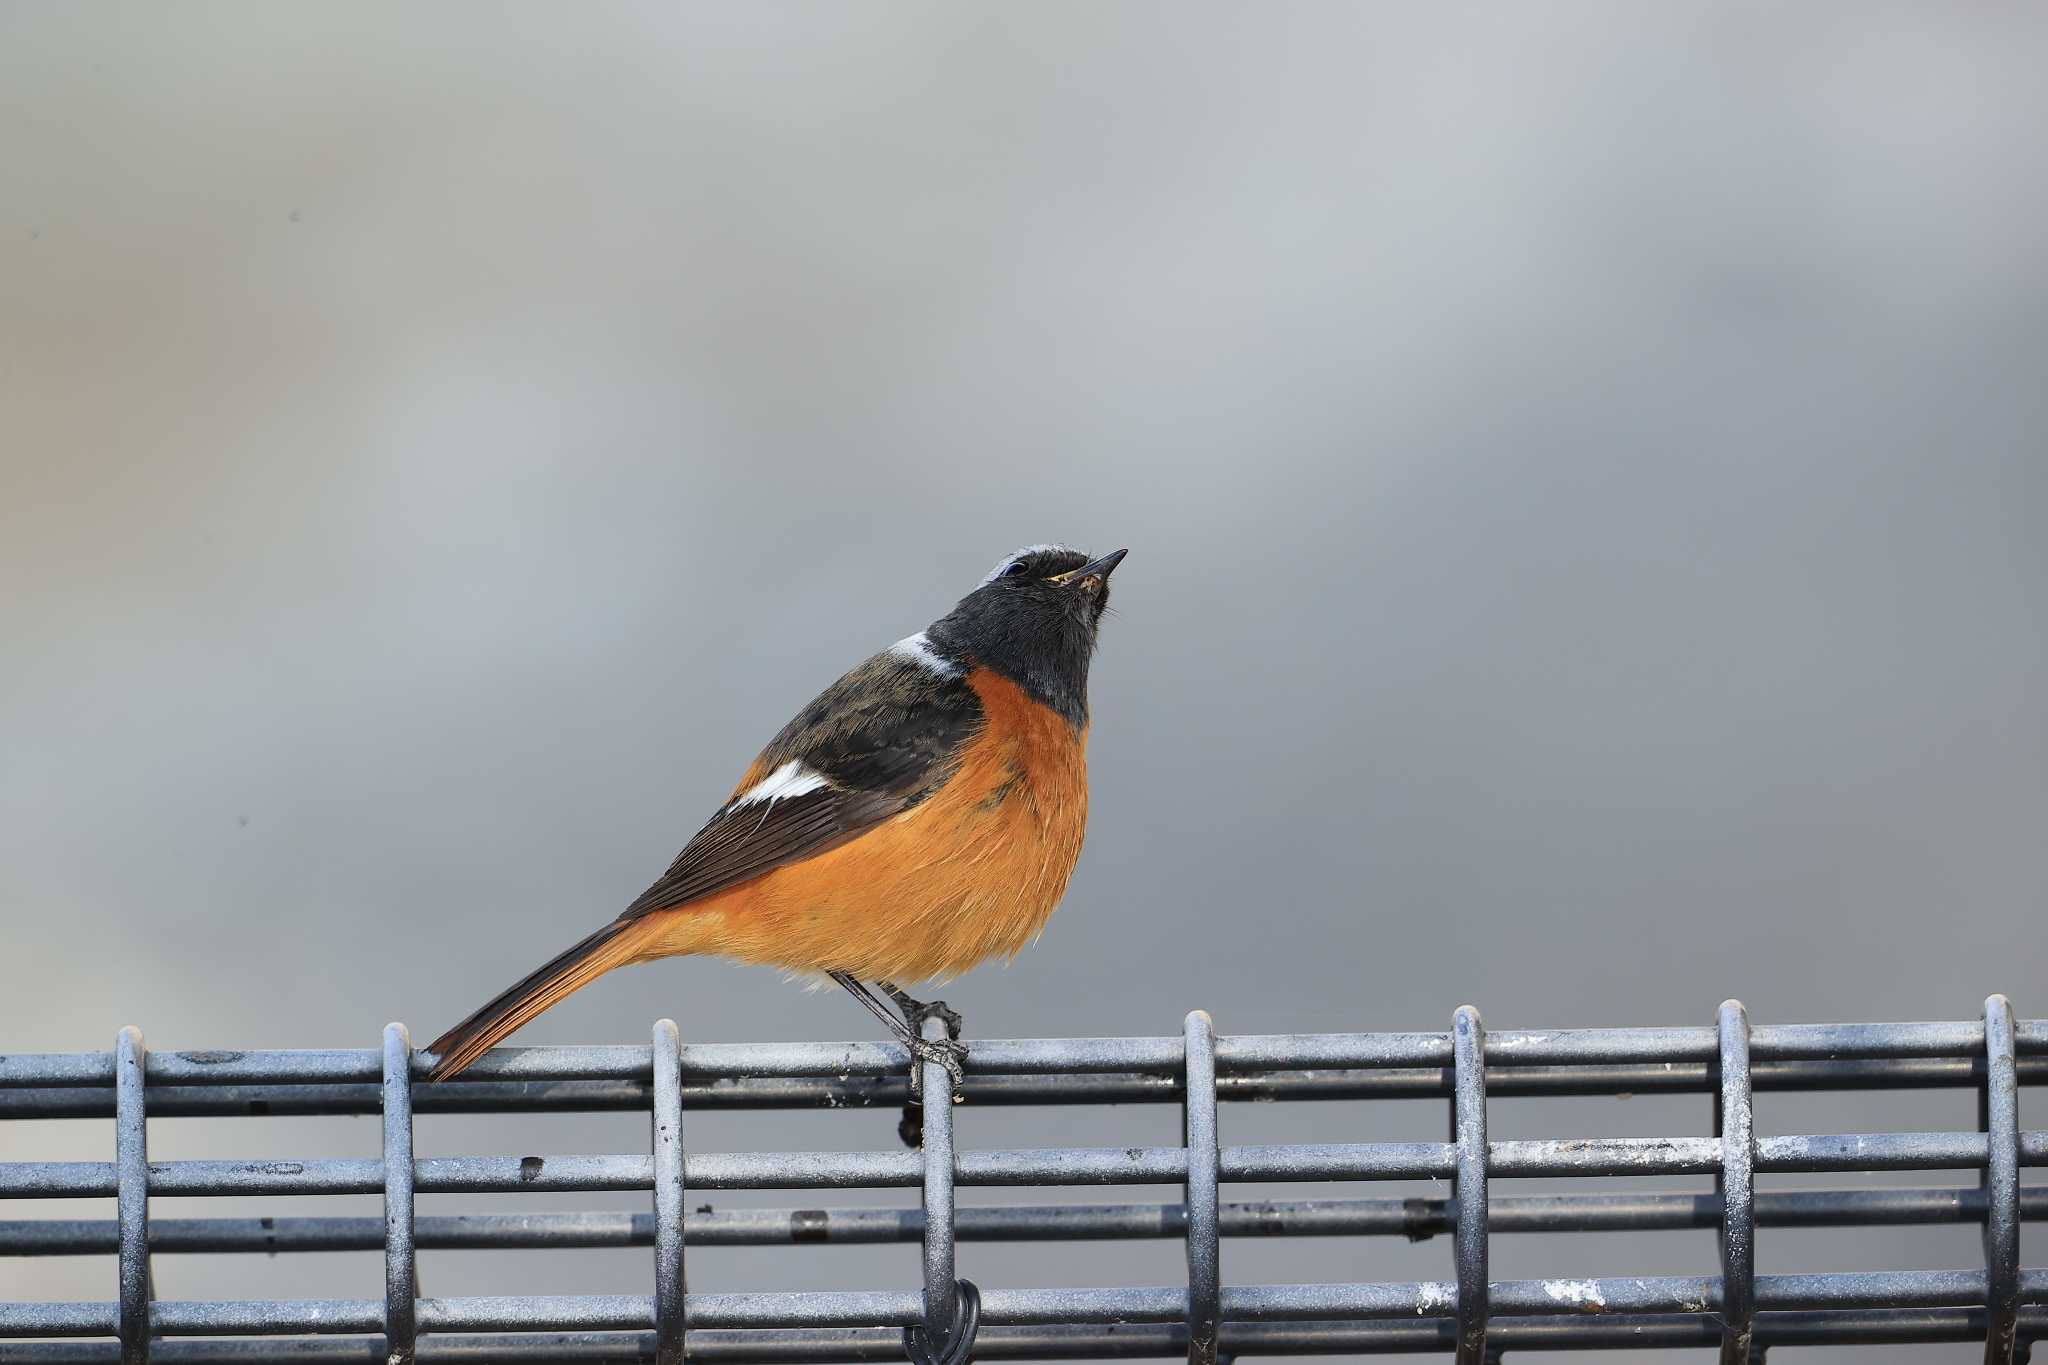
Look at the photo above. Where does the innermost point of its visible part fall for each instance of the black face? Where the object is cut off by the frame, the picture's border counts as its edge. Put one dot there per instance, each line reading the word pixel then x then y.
pixel 1033 620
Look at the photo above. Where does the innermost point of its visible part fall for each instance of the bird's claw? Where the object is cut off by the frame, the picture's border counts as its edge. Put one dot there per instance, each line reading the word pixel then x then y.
pixel 949 1053
pixel 916 1011
pixel 937 1009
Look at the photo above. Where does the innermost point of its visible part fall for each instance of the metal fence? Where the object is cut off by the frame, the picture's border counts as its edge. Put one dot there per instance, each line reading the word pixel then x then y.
pixel 1738 1311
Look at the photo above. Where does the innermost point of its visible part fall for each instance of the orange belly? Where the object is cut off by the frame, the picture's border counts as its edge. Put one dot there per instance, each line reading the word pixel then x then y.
pixel 972 872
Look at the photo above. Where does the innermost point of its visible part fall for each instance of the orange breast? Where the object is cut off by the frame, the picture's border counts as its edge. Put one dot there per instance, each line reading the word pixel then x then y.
pixel 971 872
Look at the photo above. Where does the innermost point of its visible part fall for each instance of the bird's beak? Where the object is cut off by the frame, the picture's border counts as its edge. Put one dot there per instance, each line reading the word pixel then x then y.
pixel 1097 571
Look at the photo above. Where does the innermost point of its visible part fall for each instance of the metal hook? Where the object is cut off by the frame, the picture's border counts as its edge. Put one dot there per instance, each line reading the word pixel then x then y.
pixel 957 1346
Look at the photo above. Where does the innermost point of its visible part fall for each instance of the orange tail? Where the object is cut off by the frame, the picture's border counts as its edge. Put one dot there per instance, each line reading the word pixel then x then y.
pixel 612 946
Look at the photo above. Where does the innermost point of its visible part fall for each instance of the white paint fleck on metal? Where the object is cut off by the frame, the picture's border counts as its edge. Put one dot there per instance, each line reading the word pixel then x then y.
pixel 1583 1294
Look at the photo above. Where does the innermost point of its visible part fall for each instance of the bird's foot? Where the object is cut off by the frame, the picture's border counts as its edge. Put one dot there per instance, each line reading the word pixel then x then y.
pixel 949 1053
pixel 915 1012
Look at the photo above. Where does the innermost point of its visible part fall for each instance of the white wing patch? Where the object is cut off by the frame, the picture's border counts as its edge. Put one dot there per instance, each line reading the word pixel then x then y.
pixel 918 649
pixel 1008 560
pixel 791 779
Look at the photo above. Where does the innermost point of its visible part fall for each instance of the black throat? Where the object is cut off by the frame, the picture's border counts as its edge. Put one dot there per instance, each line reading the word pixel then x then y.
pixel 1044 654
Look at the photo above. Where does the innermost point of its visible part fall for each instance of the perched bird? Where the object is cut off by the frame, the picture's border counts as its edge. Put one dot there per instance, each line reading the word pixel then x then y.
pixel 922 815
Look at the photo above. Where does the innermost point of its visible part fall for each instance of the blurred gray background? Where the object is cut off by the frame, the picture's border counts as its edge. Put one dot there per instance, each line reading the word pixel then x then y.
pixel 1584 470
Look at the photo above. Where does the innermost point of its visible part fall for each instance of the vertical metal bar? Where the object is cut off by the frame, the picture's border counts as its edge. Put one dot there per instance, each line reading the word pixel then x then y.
pixel 939 1292
pixel 1998 1114
pixel 669 1279
pixel 1204 1218
pixel 1468 1130
pixel 131 1198
pixel 1734 1120
pixel 401 1275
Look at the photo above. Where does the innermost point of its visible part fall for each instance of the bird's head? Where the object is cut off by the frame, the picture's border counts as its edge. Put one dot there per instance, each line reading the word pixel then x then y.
pixel 1033 619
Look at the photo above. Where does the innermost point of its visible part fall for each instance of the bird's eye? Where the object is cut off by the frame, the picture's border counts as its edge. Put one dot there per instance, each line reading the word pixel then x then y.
pixel 1015 569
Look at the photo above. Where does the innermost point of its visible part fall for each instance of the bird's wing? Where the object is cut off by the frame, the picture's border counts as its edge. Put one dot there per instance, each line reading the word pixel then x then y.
pixel 872 745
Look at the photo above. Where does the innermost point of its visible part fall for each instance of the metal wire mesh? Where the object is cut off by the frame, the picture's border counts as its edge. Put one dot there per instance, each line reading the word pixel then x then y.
pixel 1739 1312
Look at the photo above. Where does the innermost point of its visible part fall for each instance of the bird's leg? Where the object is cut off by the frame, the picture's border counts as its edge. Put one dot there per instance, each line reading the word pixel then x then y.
pixel 947 1054
pixel 903 1031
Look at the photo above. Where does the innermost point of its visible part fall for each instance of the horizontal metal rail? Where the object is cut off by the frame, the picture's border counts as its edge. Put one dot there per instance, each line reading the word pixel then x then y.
pixel 1631 1156
pixel 1415 1219
pixel 1047 1056
pixel 2001 1302
pixel 1026 1307
pixel 1135 1341
pixel 184 1100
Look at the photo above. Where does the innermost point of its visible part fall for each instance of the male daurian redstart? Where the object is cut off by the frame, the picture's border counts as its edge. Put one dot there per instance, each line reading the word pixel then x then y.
pixel 923 814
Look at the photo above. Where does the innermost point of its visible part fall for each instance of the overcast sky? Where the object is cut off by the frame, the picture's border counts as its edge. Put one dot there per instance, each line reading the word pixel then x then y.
pixel 1585 471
